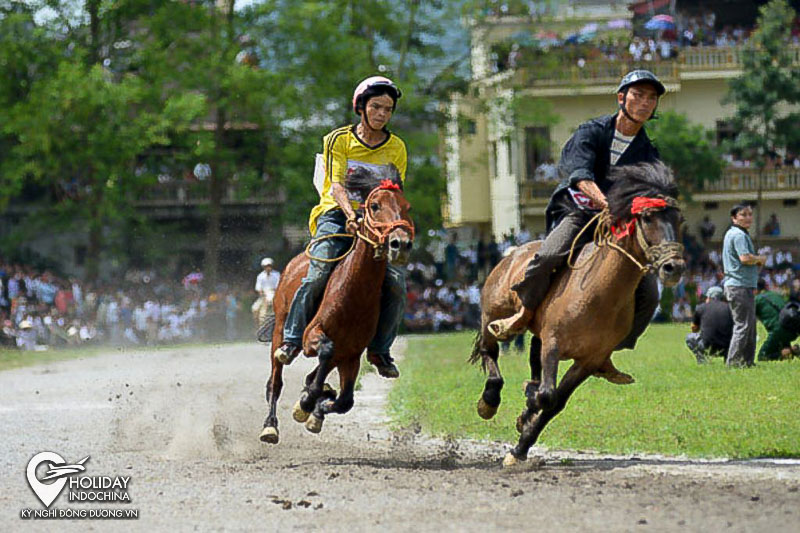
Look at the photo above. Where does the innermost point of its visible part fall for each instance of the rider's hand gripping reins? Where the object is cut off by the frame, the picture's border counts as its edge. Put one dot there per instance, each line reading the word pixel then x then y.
pixel 379 230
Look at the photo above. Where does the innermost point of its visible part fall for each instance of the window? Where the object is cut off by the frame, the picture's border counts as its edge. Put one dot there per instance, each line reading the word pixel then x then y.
pixel 537 149
pixel 725 131
pixel 710 206
pixel 790 202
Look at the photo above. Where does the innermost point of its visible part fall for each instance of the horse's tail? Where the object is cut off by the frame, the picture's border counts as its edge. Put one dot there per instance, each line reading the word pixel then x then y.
pixel 475 356
pixel 264 333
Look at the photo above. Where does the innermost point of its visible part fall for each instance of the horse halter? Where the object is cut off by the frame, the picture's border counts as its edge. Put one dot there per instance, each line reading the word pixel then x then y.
pixel 605 232
pixel 659 254
pixel 380 231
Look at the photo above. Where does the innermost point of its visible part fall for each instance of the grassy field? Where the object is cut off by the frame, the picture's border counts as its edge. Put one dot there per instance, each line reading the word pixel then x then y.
pixel 676 407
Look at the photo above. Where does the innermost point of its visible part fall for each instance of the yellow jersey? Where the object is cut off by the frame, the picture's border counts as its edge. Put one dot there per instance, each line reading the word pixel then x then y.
pixel 343 151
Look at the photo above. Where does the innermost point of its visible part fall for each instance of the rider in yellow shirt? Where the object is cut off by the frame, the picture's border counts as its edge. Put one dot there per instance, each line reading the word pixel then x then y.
pixel 366 144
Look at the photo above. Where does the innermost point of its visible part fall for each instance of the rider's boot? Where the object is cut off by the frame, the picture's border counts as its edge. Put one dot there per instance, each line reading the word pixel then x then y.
pixel 384 364
pixel 531 291
pixel 287 352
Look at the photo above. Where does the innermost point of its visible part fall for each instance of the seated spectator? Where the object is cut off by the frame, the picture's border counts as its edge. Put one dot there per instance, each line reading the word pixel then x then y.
pixel 712 327
pixel 772 227
pixel 779 341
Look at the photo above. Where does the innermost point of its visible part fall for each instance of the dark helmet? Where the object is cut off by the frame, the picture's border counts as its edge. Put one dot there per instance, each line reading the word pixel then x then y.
pixel 641 76
pixel 374 86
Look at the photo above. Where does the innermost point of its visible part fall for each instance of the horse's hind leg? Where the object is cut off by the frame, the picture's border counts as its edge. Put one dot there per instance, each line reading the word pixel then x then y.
pixel 489 401
pixel 576 375
pixel 531 387
pixel 274 387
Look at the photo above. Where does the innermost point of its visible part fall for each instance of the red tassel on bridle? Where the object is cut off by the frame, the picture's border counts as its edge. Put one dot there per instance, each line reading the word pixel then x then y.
pixel 389 184
pixel 639 204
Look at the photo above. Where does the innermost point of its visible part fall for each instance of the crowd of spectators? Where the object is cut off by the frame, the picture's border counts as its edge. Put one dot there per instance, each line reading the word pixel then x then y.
pixel 642 45
pixel 39 309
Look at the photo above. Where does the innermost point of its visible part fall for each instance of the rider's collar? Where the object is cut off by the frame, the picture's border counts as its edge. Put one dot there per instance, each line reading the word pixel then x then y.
pixel 741 228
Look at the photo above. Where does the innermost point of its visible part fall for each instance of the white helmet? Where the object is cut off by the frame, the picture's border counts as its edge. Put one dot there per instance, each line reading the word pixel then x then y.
pixel 266 261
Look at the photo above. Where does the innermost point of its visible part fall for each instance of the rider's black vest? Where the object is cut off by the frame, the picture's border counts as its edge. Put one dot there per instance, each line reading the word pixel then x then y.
pixel 587 156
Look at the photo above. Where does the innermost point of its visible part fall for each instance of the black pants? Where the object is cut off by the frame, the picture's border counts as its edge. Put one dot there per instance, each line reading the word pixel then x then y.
pixel 553 255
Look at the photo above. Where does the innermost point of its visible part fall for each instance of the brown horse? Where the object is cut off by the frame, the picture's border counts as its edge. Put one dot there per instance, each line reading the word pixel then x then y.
pixel 589 308
pixel 347 317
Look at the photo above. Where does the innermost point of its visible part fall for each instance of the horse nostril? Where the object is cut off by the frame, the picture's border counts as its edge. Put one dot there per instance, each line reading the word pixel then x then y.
pixel 409 244
pixel 394 244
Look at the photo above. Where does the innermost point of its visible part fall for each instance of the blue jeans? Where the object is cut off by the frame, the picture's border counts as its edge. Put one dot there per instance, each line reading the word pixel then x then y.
pixel 308 295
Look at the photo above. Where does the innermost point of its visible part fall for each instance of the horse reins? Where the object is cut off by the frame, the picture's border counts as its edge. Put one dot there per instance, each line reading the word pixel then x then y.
pixel 605 233
pixel 379 231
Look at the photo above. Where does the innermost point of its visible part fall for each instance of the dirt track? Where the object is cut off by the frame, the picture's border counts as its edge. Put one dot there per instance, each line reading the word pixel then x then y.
pixel 183 423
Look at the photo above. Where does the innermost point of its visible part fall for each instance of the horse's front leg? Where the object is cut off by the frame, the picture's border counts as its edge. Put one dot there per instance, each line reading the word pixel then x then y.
pixel 531 386
pixel 348 372
pixel 489 401
pixel 576 375
pixel 304 409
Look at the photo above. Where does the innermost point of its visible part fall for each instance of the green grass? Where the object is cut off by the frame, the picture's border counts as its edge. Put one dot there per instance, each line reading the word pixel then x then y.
pixel 676 407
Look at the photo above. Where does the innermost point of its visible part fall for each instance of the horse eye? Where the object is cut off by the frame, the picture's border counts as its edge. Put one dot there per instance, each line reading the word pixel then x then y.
pixel 374 206
pixel 647 218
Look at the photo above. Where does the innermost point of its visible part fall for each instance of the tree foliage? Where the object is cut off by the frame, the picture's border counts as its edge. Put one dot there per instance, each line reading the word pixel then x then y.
pixel 768 91
pixel 687 148
pixel 101 96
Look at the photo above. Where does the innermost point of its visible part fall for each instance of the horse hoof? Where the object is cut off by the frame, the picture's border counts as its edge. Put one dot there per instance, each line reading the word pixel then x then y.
pixel 313 424
pixel 485 410
pixel 269 435
pixel 298 414
pixel 509 461
pixel 618 378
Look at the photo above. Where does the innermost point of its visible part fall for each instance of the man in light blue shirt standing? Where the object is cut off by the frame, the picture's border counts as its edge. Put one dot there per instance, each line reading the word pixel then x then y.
pixel 740 263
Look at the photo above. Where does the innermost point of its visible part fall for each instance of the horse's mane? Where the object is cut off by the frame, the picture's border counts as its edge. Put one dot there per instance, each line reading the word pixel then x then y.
pixel 643 179
pixel 363 179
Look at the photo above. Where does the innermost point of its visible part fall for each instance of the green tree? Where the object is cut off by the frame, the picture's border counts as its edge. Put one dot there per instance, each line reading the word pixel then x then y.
pixel 767 93
pixel 687 148
pixel 79 135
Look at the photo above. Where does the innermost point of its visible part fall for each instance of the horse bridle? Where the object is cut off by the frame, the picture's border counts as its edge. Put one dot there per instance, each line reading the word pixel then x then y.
pixel 659 254
pixel 380 231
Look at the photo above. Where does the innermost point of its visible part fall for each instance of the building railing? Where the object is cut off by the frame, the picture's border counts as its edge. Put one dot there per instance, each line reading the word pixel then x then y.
pixel 723 58
pixel 197 193
pixel 749 179
pixel 732 180
pixel 594 73
pixel 536 192
pixel 601 72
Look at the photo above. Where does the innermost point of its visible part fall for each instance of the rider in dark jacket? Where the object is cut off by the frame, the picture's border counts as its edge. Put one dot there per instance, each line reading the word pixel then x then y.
pixel 617 139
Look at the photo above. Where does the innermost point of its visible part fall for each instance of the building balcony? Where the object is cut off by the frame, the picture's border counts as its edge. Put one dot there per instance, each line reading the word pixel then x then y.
pixel 599 75
pixel 734 184
pixel 745 184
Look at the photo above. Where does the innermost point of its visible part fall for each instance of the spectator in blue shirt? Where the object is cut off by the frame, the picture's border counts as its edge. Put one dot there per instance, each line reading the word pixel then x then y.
pixel 740 263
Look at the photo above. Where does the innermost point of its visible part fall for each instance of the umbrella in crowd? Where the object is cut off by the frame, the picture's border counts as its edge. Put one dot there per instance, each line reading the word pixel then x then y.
pixel 660 22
